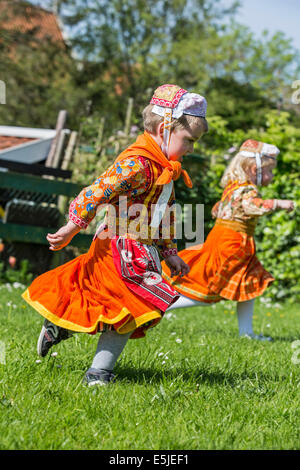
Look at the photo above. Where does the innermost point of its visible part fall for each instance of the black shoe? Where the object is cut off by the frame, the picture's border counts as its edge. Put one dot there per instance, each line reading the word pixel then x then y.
pixel 98 377
pixel 50 335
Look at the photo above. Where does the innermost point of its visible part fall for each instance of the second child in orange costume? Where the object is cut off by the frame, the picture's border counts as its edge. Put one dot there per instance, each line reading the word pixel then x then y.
pixel 225 267
pixel 117 288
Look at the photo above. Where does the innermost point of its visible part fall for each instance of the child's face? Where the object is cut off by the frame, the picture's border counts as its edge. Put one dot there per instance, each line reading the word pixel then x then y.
pixel 182 142
pixel 266 175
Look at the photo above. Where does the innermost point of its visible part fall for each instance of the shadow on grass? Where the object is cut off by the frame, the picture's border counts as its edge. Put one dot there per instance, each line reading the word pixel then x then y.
pixel 287 339
pixel 154 376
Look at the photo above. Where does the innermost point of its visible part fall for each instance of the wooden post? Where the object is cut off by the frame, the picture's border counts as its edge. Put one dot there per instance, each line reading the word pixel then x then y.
pixel 62 116
pixel 59 148
pixel 128 116
pixel 69 151
pixel 62 200
pixel 100 136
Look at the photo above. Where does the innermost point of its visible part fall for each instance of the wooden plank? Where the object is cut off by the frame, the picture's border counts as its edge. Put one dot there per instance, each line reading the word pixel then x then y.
pixel 34 169
pixel 59 148
pixel 34 234
pixel 40 185
pixel 62 117
pixel 69 151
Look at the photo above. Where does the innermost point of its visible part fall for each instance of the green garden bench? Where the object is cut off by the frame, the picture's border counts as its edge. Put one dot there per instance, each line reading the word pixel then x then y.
pixel 34 199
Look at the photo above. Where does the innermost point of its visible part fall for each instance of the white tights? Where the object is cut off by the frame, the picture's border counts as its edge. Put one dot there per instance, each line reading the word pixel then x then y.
pixel 109 349
pixel 244 312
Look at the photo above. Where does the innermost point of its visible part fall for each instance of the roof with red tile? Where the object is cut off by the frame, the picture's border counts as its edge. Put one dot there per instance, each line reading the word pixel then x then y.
pixel 44 22
pixel 9 141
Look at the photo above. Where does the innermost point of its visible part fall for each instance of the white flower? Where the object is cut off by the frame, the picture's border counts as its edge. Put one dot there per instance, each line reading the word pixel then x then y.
pixel 160 354
pixel 16 285
pixel 163 362
pixel 38 361
pixel 168 315
pixel 268 325
pixel 178 340
pixel 54 354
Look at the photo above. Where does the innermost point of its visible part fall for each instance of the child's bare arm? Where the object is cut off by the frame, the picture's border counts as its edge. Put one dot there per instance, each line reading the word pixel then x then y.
pixel 63 236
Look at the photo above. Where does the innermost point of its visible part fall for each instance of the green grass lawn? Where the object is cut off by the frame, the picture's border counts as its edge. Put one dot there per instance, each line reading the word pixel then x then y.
pixel 192 383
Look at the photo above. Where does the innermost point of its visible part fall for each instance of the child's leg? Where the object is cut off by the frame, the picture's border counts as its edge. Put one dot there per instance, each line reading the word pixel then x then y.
pixel 245 315
pixel 184 302
pixel 109 349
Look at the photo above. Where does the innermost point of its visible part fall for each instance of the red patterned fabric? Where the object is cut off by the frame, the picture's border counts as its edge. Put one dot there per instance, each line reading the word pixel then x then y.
pixel 139 267
pixel 167 96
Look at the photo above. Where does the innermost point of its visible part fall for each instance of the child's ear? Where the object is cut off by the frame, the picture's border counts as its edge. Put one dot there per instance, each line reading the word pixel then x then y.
pixel 253 169
pixel 160 129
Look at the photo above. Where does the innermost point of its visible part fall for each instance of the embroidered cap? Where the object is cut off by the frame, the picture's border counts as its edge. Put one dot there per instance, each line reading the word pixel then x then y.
pixel 257 149
pixel 179 100
pixel 171 101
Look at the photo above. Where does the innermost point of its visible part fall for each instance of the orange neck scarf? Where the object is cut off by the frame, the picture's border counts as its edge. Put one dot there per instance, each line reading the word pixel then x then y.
pixel 145 146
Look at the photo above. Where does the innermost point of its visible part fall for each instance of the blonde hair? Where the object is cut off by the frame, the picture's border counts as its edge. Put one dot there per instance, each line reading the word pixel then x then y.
pixel 152 121
pixel 238 168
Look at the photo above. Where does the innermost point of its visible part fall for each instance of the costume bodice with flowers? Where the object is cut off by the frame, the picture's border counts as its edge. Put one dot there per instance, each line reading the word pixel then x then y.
pixel 242 202
pixel 128 187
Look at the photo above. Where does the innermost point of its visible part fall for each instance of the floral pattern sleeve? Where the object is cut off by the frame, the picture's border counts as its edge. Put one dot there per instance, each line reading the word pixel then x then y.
pixel 254 205
pixel 128 177
pixel 215 210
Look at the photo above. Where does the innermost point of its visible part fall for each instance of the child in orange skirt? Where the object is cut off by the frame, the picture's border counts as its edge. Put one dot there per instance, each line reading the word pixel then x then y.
pixel 225 267
pixel 117 288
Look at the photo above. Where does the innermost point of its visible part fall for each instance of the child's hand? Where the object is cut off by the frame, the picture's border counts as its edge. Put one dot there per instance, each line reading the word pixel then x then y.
pixel 177 265
pixel 286 204
pixel 63 236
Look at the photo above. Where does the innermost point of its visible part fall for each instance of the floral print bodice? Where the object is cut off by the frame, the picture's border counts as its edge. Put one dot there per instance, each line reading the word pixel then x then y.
pixel 124 184
pixel 242 202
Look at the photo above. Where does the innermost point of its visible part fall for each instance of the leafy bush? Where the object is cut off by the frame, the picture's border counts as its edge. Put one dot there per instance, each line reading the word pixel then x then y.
pixel 11 275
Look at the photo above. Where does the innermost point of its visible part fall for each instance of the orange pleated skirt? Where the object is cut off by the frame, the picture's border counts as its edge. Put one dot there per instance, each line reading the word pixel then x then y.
pixel 88 295
pixel 224 267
